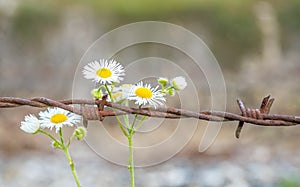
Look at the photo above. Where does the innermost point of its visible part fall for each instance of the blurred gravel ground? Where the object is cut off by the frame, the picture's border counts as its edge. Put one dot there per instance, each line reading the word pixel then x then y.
pixel 32 169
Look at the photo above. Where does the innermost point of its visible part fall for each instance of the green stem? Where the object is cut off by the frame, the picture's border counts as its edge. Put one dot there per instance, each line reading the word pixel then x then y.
pixel 100 87
pixel 71 163
pixel 129 136
pixel 70 140
pixel 121 126
pixel 50 136
pixel 109 92
pixel 140 123
pixel 61 137
pixel 125 117
pixel 118 119
pixel 131 129
pixel 70 160
pixel 131 132
pixel 131 163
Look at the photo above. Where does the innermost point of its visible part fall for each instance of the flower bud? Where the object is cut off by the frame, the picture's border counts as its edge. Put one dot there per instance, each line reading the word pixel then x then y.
pixel 179 83
pixel 80 133
pixel 163 81
pixel 171 91
pixel 96 93
pixel 56 145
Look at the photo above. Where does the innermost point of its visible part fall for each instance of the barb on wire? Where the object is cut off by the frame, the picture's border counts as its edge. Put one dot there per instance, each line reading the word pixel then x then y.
pixel 95 110
pixel 265 108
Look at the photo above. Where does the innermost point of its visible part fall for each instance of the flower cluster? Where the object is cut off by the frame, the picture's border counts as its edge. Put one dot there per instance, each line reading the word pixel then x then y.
pixel 176 84
pixel 56 118
pixel 51 118
pixel 109 73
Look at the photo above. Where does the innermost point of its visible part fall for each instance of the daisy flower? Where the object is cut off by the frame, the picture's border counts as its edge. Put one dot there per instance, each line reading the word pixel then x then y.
pixel 104 71
pixel 179 83
pixel 31 124
pixel 57 117
pixel 143 94
pixel 121 92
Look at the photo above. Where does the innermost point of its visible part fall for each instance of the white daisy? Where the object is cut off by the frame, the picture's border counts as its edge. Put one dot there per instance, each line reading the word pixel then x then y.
pixel 143 94
pixel 104 71
pixel 57 117
pixel 121 92
pixel 31 124
pixel 179 83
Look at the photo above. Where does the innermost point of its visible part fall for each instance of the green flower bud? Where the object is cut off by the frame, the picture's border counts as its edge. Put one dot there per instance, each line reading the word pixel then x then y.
pixel 171 91
pixel 163 81
pixel 56 145
pixel 80 133
pixel 96 93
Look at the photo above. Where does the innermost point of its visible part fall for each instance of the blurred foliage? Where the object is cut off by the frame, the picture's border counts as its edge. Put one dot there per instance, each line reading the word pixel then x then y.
pixel 33 18
pixel 289 13
pixel 231 23
pixel 289 182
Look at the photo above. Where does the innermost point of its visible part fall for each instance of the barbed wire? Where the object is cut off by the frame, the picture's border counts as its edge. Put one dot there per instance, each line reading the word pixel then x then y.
pixel 98 109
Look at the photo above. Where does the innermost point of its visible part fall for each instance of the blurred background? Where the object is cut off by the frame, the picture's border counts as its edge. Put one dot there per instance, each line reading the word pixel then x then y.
pixel 255 42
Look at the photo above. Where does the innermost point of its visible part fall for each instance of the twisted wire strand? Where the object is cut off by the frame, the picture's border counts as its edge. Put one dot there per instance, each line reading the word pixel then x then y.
pixel 89 109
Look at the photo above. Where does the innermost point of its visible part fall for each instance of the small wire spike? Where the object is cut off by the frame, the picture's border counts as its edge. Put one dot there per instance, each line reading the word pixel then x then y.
pixel 264 104
pixel 269 105
pixel 241 123
pixel 101 107
pixel 239 129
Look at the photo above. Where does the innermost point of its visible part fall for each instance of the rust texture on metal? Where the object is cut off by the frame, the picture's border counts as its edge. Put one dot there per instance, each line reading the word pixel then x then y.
pixel 99 109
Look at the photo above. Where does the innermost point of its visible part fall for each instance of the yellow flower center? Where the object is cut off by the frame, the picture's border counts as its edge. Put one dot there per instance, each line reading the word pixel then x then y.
pixel 104 73
pixel 144 93
pixel 58 118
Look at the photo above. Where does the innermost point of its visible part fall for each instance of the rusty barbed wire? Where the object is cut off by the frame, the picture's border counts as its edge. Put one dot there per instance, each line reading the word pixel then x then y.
pixel 96 110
